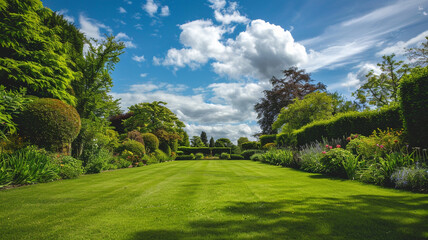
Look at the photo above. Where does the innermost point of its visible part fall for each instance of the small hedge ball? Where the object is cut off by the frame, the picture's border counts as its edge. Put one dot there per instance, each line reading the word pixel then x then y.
pixel 49 123
pixel 135 147
pixel 150 141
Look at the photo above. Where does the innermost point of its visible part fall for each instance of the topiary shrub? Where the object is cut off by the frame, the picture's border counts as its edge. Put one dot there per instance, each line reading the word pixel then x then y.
pixel 49 123
pixel 135 147
pixel 135 135
pixel 250 145
pixel 151 142
pixel 199 156
pixel 414 105
pixel 225 156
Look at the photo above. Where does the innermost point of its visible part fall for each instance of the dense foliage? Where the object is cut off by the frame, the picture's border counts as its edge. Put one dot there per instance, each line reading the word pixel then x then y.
pixel 32 53
pixel 49 123
pixel 314 106
pixel 295 84
pixel 346 124
pixel 414 104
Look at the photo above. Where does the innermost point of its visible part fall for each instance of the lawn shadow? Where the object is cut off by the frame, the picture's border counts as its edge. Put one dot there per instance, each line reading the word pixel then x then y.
pixel 358 217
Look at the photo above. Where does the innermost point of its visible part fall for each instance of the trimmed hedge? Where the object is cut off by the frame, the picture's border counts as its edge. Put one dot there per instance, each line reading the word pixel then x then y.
pixel 414 105
pixel 265 139
pixel 236 157
pixel 49 123
pixel 345 124
pixel 250 145
pixel 205 150
pixel 185 157
pixel 248 153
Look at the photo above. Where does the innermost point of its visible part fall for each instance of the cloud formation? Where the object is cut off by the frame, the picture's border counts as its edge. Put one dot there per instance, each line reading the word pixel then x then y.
pixel 221 105
pixel 92 28
pixel 121 10
pixel 152 8
pixel 138 58
pixel 400 47
pixel 260 51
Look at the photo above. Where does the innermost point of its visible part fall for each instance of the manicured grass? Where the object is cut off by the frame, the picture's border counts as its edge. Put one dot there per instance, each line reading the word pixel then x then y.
pixel 211 200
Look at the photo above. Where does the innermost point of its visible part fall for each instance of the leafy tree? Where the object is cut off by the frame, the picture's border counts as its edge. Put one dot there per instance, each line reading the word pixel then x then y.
pixel 184 141
pixel 340 104
pixel 204 138
pixel 32 54
pixel 197 142
pixel 314 106
pixel 223 142
pixel 295 84
pixel 380 90
pixel 12 103
pixel 242 140
pixel 212 142
pixel 150 117
pixel 92 88
pixel 419 56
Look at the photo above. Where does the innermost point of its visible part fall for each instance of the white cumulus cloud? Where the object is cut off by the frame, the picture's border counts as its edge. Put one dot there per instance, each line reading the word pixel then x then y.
pixel 164 11
pixel 150 7
pixel 92 28
pixel 138 58
pixel 121 10
pixel 260 51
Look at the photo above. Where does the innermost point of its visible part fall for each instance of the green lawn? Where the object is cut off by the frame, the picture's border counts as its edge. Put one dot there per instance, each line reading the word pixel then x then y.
pixel 211 200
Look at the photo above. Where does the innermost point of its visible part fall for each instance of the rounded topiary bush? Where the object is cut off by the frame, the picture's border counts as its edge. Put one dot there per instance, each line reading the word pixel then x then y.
pixel 49 123
pixel 134 146
pixel 135 135
pixel 151 142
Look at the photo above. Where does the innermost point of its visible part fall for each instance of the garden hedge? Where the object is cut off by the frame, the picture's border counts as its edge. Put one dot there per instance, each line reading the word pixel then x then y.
pixel 49 123
pixel 205 150
pixel 250 145
pixel 265 139
pixel 345 124
pixel 414 105
pixel 185 157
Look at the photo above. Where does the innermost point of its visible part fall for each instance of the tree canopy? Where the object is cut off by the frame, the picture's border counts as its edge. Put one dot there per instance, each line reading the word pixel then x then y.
pixel 34 53
pixel 382 89
pixel 314 106
pixel 149 117
pixel 295 84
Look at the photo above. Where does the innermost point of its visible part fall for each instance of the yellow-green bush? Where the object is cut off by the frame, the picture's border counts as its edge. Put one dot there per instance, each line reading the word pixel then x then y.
pixel 49 123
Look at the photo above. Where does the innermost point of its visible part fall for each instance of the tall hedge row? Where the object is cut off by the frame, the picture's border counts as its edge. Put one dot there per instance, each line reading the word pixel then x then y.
pixel 250 145
pixel 343 125
pixel 204 150
pixel 265 139
pixel 414 105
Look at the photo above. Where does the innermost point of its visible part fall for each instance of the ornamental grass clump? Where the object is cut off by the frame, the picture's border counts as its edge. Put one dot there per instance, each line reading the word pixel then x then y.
pixel 25 166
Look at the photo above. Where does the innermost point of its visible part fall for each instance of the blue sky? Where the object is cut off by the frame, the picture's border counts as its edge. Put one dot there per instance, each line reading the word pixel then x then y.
pixel 210 60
